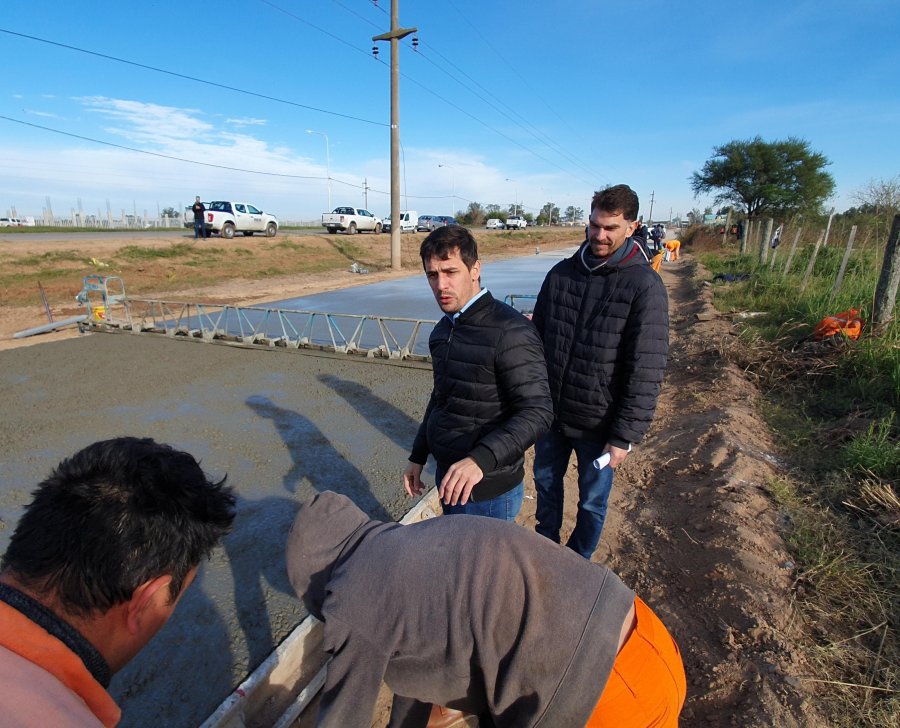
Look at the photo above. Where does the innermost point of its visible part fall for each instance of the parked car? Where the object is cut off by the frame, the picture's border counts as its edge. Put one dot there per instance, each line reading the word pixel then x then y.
pixel 408 221
pixel 427 223
pixel 352 219
pixel 227 218
pixel 10 222
pixel 514 221
pixel 495 224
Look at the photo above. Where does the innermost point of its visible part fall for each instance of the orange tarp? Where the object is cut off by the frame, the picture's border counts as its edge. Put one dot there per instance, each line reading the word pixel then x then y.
pixel 846 322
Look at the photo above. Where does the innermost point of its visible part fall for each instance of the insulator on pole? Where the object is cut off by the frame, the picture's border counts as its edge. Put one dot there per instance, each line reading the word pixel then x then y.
pixel 415 43
pixel 375 51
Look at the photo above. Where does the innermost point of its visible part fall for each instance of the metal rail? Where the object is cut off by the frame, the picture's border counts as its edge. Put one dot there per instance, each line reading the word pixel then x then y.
pixel 109 310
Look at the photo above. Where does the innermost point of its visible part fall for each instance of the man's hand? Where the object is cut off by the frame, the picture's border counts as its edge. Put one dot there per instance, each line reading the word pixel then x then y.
pixel 617 455
pixel 412 479
pixel 457 484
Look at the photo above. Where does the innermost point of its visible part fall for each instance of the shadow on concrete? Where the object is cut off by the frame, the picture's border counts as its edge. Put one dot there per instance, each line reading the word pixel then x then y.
pixel 256 546
pixel 204 654
pixel 389 420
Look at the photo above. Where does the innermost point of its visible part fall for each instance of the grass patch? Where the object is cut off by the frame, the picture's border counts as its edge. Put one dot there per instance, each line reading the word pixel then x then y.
pixel 136 253
pixel 831 406
pixel 50 258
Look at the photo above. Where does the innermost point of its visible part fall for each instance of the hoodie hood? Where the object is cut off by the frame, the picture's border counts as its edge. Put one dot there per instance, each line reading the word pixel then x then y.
pixel 631 253
pixel 325 532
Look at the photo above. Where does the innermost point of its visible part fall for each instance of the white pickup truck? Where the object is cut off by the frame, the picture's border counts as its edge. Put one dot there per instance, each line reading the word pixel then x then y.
pixel 514 221
pixel 228 218
pixel 352 219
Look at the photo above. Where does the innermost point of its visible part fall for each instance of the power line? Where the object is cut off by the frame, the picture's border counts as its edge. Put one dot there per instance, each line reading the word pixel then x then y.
pixel 172 157
pixel 546 140
pixel 194 78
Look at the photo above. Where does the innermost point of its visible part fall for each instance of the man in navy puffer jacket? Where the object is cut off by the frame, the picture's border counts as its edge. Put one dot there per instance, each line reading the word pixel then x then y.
pixel 603 317
pixel 490 399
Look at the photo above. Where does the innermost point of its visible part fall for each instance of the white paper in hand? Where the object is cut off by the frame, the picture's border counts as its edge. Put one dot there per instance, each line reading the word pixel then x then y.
pixel 602 461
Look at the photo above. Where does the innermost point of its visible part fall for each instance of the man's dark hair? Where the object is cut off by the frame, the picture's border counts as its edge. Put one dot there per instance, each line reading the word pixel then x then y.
pixel 113 516
pixel 442 242
pixel 617 199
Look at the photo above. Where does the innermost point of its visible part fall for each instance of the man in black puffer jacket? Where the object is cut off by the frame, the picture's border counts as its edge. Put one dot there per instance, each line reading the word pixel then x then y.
pixel 603 317
pixel 490 399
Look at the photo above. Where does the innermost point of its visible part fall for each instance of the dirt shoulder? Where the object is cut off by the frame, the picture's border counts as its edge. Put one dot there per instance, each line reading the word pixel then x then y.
pixel 693 531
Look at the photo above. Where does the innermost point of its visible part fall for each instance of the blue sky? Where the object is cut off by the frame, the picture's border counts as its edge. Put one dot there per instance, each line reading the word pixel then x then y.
pixel 526 101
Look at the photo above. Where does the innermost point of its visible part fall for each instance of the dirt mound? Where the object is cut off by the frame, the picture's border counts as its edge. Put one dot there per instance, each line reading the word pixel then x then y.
pixel 692 530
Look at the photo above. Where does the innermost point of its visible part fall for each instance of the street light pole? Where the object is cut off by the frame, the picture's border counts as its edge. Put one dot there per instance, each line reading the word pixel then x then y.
pixel 395 34
pixel 452 190
pixel 327 163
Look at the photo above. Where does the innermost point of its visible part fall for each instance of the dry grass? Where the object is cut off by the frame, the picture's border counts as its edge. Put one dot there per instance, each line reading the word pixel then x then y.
pixel 843 526
pixel 178 262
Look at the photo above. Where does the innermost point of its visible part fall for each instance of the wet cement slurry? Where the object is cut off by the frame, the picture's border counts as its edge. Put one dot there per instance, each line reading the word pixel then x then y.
pixel 282 425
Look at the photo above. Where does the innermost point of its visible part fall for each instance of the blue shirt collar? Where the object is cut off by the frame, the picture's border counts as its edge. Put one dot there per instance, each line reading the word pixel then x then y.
pixel 466 307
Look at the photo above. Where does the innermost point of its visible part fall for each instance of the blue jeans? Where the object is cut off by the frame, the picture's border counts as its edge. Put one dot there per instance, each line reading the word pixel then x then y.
pixel 551 459
pixel 199 229
pixel 505 506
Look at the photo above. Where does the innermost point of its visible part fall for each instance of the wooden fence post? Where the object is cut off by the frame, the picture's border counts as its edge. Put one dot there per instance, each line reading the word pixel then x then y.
pixel 747 230
pixel 727 225
pixel 787 263
pixel 888 281
pixel 812 262
pixel 764 242
pixel 840 275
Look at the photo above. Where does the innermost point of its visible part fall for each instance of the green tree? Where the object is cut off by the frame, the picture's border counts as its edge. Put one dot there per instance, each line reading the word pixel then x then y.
pixel 169 212
pixel 759 177
pixel 474 215
pixel 573 213
pixel 548 214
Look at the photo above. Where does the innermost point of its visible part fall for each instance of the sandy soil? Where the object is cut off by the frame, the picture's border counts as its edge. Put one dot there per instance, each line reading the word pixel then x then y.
pixel 691 527
pixel 693 531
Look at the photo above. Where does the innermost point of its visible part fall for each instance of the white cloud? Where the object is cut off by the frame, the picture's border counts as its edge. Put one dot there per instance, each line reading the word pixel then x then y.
pixel 45 114
pixel 246 122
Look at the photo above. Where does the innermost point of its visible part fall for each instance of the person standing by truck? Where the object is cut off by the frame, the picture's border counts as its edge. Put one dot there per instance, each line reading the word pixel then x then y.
pixel 198 210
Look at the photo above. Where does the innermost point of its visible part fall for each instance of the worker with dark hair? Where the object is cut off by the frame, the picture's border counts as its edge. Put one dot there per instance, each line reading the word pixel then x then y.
pixel 95 567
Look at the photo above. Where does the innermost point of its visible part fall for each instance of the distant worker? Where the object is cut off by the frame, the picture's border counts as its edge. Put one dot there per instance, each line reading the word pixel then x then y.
pixel 96 565
pixel 673 247
pixel 490 398
pixel 603 317
pixel 480 616
pixel 657 236
pixel 199 224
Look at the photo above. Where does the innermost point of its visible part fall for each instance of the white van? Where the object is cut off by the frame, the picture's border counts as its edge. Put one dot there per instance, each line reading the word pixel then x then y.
pixel 408 222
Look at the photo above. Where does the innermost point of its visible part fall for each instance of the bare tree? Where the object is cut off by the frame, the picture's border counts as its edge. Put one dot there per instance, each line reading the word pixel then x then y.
pixel 882 195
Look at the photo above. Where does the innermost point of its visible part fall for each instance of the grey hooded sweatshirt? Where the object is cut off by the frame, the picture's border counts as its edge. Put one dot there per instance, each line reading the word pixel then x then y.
pixel 466 612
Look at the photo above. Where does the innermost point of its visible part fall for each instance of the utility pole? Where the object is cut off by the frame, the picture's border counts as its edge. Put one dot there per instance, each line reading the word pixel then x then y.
pixel 366 192
pixel 652 195
pixel 395 35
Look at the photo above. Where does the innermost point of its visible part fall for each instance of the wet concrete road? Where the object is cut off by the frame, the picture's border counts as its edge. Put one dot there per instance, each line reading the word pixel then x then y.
pixel 412 298
pixel 282 424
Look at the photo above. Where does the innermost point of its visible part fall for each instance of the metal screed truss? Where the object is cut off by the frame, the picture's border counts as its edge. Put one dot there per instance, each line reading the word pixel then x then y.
pixel 110 310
